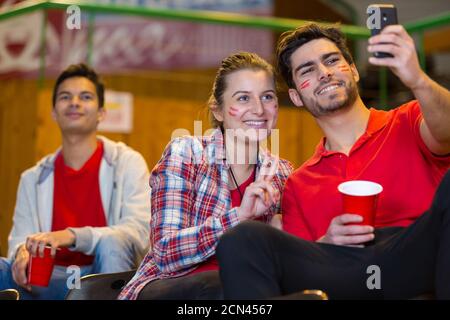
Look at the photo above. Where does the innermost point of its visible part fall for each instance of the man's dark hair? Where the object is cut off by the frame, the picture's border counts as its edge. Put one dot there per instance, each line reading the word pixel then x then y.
pixel 81 70
pixel 292 40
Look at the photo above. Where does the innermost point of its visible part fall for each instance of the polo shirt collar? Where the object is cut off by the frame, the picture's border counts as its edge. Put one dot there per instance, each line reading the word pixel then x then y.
pixel 377 121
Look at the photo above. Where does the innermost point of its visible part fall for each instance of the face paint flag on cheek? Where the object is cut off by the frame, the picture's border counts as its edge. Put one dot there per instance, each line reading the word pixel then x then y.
pixel 233 111
pixel 304 84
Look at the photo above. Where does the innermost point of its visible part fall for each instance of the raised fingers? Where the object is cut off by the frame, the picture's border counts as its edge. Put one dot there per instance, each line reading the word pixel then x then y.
pixel 268 169
pixel 267 193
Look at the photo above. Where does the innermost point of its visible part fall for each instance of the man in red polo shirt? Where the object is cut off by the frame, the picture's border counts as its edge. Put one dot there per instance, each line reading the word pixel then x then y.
pixel 88 201
pixel 406 150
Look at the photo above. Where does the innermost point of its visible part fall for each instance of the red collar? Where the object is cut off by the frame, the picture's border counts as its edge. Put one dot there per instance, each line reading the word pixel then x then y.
pixel 377 121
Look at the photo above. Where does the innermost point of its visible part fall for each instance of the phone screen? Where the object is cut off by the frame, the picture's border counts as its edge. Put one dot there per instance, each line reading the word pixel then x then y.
pixel 381 15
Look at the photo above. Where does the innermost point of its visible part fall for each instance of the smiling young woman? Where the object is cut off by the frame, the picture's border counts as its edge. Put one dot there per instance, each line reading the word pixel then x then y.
pixel 200 189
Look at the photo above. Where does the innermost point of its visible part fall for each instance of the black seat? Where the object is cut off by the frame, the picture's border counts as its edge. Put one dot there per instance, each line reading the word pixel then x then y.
pixel 102 286
pixel 9 294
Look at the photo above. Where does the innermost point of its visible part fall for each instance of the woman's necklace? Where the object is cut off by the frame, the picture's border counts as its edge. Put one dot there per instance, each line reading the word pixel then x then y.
pixel 236 184
pixel 254 176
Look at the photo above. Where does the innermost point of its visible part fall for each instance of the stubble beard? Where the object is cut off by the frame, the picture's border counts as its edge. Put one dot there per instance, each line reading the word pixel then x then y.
pixel 316 109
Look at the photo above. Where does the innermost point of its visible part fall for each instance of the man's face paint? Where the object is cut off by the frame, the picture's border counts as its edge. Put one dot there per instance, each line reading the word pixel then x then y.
pixel 304 84
pixel 344 68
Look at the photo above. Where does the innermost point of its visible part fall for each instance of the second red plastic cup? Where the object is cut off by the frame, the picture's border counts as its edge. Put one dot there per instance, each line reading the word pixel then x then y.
pixel 361 197
pixel 40 268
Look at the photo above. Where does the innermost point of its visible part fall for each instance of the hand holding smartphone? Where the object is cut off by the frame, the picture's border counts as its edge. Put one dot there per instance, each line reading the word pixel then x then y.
pixel 380 16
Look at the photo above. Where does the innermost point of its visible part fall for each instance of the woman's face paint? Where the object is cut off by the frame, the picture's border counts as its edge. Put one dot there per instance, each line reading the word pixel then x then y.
pixel 233 111
pixel 304 84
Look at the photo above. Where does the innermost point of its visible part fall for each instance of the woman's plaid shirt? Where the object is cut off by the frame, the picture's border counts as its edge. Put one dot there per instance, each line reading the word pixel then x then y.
pixel 191 207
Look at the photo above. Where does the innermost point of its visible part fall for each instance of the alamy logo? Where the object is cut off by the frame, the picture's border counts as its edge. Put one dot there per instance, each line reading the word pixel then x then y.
pixel 73 281
pixel 374 280
pixel 374 19
pixel 73 20
pixel 237 153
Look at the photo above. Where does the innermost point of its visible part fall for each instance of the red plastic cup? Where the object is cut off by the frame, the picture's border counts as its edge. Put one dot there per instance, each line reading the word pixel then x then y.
pixel 40 268
pixel 361 197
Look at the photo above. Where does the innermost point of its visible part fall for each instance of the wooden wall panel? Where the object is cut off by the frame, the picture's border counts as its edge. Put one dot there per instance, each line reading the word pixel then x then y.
pixel 17 152
pixel 48 138
pixel 156 120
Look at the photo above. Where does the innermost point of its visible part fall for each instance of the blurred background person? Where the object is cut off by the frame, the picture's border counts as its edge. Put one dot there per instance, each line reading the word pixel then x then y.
pixel 89 199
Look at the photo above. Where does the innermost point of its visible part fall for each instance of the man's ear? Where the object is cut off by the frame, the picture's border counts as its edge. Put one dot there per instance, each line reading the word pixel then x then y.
pixel 101 114
pixel 354 72
pixel 295 97
pixel 217 112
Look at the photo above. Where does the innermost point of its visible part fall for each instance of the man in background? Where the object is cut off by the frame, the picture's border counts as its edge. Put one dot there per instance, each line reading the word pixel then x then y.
pixel 89 201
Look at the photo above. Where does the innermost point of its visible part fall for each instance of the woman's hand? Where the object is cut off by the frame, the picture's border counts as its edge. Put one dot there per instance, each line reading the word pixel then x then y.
pixel 260 195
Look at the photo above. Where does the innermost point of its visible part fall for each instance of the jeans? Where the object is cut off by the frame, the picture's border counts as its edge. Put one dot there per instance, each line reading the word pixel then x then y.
pixel 112 254
pixel 198 286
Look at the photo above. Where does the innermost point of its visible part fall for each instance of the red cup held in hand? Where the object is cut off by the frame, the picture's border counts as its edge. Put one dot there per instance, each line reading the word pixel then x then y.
pixel 40 268
pixel 360 197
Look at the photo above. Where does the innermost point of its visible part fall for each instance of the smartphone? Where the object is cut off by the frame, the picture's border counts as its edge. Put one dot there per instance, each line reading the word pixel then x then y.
pixel 380 16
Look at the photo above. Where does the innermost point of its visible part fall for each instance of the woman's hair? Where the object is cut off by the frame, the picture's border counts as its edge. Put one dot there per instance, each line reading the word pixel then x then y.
pixel 235 62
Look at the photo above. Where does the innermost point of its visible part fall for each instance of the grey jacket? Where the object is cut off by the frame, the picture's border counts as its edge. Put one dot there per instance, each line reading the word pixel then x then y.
pixel 124 190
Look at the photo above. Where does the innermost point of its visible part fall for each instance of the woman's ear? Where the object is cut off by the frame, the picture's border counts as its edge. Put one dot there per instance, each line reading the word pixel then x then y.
pixel 295 97
pixel 217 112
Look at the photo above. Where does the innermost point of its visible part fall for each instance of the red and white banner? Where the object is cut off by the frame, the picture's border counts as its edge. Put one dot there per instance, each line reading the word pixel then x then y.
pixel 124 43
